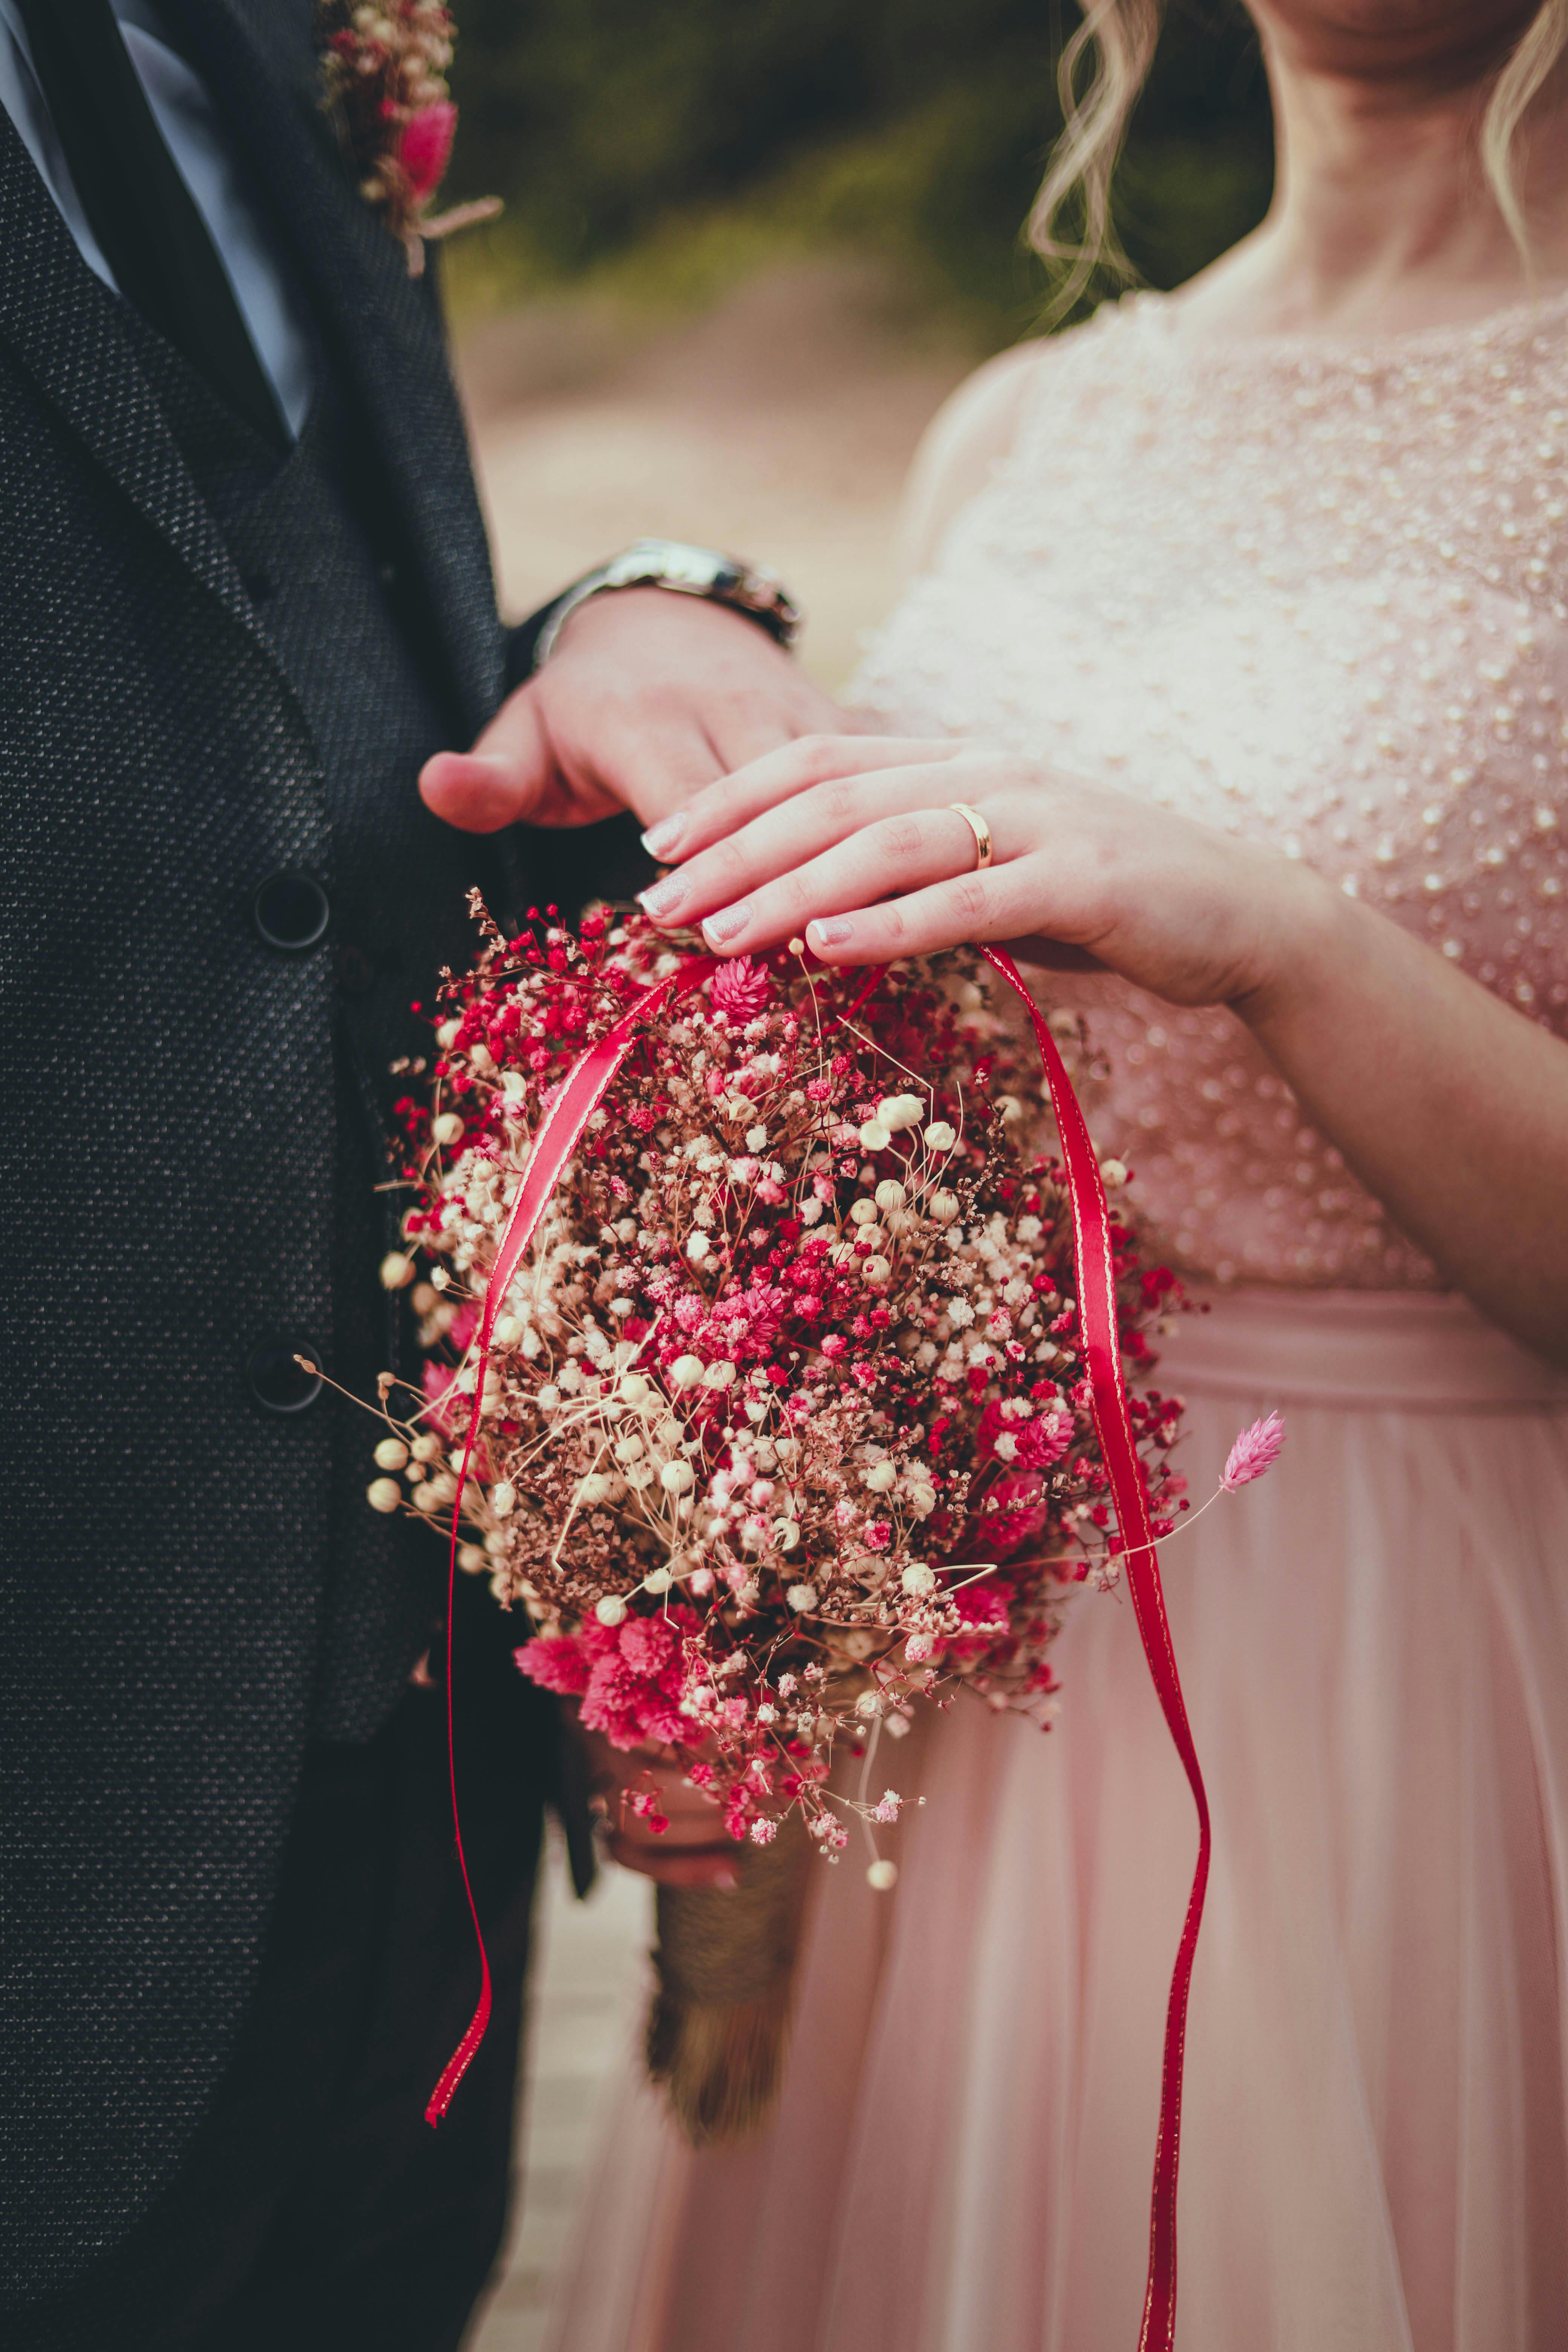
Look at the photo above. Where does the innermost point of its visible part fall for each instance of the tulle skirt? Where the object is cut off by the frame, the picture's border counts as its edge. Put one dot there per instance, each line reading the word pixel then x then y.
pixel 1374 1641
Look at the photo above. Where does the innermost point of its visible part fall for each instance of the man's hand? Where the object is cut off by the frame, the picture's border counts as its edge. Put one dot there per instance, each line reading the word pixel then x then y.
pixel 647 697
pixel 693 1849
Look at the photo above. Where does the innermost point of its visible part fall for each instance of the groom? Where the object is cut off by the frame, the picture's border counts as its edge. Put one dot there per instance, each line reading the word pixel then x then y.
pixel 245 597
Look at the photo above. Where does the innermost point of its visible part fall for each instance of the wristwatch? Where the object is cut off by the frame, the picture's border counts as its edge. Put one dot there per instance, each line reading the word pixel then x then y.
pixel 748 588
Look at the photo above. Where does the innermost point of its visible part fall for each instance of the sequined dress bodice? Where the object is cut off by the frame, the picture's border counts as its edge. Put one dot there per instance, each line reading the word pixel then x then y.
pixel 1313 595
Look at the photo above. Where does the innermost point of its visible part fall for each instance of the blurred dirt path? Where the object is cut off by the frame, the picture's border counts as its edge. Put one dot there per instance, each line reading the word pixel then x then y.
pixel 778 425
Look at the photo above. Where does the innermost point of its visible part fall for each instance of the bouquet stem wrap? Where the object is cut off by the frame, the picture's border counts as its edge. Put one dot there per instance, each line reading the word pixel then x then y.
pixel 691 2028
pixel 725 1960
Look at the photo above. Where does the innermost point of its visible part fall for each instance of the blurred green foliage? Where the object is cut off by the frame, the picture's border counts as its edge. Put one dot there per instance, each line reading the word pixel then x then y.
pixel 664 144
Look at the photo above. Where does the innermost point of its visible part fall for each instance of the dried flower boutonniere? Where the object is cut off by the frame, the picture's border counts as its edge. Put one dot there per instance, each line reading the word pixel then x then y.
pixel 382 69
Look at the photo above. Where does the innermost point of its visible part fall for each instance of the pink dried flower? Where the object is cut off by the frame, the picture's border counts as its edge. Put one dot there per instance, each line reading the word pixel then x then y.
pixel 630 1708
pixel 1255 1450
pixel 741 988
pixel 425 146
pixel 647 1644
pixel 1021 1510
pixel 1041 1444
pixel 558 1664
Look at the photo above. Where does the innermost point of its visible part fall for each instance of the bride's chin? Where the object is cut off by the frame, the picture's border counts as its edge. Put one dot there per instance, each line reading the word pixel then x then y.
pixel 1388 41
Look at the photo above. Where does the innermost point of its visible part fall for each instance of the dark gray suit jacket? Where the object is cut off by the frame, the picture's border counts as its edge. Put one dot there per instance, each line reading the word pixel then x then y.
pixel 172 1168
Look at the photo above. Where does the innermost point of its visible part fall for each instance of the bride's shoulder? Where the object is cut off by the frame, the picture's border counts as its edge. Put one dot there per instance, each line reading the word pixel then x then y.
pixel 975 428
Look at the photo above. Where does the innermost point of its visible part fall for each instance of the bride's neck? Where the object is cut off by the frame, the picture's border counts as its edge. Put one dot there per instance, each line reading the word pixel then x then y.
pixel 1383 219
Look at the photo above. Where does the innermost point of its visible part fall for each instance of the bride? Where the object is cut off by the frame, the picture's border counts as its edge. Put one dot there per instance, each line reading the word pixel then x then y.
pixel 1240 615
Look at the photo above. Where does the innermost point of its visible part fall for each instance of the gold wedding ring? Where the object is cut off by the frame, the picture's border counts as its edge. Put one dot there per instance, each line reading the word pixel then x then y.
pixel 979 828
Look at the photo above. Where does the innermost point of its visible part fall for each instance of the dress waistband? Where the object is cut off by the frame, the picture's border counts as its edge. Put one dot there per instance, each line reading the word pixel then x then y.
pixel 1407 1351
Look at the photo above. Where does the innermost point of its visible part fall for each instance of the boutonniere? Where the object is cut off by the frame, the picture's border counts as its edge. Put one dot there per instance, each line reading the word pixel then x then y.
pixel 384 90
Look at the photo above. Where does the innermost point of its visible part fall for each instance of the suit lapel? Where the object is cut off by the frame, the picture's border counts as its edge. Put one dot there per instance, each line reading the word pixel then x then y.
pixel 65 327
pixel 259 61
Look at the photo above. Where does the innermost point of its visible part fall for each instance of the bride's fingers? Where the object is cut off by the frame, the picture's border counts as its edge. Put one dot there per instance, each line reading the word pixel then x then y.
pixel 783 840
pixel 734 800
pixel 1002 904
pixel 898 852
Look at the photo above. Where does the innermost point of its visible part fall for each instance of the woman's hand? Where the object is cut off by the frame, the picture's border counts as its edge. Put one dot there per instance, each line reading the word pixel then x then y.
pixel 853 843
pixel 693 1849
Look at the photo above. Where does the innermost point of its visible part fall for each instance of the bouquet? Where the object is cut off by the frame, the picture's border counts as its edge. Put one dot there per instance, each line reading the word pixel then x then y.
pixel 783 1429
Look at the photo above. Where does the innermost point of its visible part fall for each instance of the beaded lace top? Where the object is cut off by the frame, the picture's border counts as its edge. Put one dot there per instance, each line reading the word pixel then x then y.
pixel 1315 594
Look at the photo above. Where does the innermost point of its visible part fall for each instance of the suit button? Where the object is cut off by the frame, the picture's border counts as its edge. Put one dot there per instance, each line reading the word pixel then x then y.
pixel 279 1383
pixel 290 911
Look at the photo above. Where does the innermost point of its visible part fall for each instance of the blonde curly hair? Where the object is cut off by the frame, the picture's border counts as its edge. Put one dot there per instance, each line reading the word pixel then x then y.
pixel 1120 36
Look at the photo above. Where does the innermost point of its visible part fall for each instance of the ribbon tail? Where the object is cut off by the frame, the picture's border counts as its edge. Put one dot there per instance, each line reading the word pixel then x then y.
pixel 462 2058
pixel 581 1092
pixel 1108 1395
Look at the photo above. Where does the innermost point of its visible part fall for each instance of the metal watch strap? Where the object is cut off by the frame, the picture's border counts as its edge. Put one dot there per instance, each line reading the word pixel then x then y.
pixel 747 588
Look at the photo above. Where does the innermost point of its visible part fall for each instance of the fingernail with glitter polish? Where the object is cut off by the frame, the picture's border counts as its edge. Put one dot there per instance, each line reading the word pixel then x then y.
pixel 829 935
pixel 661 838
pixel 662 898
pixel 727 922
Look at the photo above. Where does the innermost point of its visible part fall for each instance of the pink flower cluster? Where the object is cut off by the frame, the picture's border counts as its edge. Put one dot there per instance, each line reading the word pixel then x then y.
pixel 630 1678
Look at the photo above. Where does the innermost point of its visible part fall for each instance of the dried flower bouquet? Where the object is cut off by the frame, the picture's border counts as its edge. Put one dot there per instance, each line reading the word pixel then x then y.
pixel 785 1423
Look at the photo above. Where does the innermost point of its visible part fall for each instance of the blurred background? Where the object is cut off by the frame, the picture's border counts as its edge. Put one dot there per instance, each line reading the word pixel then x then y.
pixel 748 246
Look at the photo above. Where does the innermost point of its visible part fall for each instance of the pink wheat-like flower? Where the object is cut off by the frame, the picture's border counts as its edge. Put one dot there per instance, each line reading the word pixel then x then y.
pixel 1255 1450
pixel 741 988
pixel 425 147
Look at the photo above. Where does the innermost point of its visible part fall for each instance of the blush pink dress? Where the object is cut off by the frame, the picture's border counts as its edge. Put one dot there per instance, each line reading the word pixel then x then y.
pixel 1315 595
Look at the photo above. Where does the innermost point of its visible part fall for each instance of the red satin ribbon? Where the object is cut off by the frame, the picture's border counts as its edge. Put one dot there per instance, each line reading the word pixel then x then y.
pixel 582 1092
pixel 1108 1398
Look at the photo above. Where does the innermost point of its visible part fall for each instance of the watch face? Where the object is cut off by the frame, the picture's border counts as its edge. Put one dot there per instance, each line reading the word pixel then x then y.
pixel 694 567
pixel 678 566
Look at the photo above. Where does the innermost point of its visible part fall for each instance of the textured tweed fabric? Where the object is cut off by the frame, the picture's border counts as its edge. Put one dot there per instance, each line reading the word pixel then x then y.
pixel 213 669
pixel 317 547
